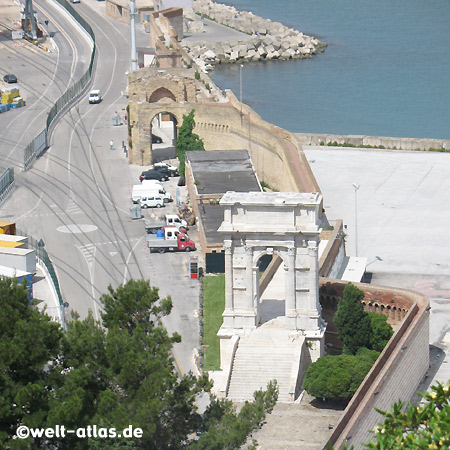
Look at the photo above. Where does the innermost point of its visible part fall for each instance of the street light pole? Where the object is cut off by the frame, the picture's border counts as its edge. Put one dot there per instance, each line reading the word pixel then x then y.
pixel 240 82
pixel 133 36
pixel 356 186
pixel 240 88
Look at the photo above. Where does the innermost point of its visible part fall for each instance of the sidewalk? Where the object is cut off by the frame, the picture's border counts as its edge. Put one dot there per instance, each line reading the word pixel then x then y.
pixel 45 295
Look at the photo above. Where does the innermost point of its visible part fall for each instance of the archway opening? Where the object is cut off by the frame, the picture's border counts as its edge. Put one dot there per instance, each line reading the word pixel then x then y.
pixel 163 128
pixel 162 95
pixel 272 301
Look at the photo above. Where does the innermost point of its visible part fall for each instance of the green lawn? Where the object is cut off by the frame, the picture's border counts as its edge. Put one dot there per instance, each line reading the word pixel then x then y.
pixel 213 306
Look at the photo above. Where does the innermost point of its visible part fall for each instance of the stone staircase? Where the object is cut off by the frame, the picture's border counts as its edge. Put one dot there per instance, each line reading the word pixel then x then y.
pixel 267 354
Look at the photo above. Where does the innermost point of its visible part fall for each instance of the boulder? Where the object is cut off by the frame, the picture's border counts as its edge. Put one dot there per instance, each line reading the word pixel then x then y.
pixel 267 40
pixel 262 51
pixel 270 49
pixel 276 44
pixel 234 56
pixel 209 54
pixel 285 45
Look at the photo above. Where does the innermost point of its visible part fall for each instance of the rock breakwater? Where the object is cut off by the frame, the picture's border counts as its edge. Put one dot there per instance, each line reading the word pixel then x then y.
pixel 269 40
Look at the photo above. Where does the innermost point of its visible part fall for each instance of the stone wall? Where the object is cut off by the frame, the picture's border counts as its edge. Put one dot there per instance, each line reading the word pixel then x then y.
pixel 163 41
pixel 334 252
pixel 277 158
pixel 374 141
pixel 270 40
pixel 399 369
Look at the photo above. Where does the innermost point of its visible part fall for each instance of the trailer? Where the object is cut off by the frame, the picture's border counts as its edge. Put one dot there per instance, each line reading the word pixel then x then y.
pixel 18 258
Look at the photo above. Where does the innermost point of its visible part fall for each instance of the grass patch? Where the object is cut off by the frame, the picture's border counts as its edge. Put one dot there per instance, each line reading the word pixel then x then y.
pixel 213 306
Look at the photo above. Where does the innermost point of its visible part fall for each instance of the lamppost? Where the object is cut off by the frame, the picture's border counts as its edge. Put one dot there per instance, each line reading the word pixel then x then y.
pixel 356 186
pixel 240 82
pixel 133 35
pixel 240 87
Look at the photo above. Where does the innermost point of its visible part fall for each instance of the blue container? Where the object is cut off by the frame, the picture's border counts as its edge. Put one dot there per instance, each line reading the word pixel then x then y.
pixel 4 107
pixel 160 234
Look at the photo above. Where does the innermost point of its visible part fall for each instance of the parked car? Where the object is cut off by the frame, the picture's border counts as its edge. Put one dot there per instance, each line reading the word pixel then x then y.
pixel 156 139
pixel 162 170
pixel 166 168
pixel 153 175
pixel 10 78
pixel 151 201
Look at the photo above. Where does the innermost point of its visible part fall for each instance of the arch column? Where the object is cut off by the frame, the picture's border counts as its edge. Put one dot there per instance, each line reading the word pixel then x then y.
pixel 228 312
pixel 290 289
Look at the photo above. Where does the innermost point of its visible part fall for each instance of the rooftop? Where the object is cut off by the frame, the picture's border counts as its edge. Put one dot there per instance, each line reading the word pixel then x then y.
pixel 216 172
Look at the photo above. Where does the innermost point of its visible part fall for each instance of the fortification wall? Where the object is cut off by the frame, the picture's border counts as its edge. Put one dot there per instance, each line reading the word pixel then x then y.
pixel 278 160
pixel 399 369
pixel 374 141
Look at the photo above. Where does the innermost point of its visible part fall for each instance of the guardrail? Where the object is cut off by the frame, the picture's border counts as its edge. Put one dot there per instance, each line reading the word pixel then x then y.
pixel 7 184
pixel 42 256
pixel 41 142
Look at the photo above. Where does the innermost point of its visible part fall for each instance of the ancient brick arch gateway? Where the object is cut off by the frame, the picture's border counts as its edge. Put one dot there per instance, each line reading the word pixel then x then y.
pixel 226 125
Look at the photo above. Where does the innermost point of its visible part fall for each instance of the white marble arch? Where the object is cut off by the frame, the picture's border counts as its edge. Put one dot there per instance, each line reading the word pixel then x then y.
pixel 285 224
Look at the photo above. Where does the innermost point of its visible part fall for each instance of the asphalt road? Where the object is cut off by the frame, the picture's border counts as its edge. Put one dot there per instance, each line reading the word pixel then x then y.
pixel 77 196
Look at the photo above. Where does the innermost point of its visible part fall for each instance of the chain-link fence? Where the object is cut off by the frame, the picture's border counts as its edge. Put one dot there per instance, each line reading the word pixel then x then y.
pixel 6 183
pixel 41 142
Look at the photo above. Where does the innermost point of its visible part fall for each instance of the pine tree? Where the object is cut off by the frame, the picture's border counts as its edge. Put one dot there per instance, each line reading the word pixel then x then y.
pixel 352 322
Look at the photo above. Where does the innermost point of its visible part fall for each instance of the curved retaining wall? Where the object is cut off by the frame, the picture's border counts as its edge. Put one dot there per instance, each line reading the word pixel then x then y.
pixel 278 159
pixel 374 141
pixel 397 372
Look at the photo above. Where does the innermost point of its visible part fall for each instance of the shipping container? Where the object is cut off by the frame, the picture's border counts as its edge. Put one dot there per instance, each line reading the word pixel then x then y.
pixel 7 227
pixel 18 259
pixel 14 238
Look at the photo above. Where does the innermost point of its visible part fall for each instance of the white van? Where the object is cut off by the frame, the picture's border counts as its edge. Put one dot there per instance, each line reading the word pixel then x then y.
pixel 95 96
pixel 152 201
pixel 140 191
pixel 152 183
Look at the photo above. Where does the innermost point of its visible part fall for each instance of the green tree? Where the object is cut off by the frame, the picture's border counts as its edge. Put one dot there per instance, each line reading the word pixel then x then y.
pixel 426 426
pixel 117 376
pixel 224 429
pixel 381 331
pixel 29 347
pixel 338 377
pixel 187 140
pixel 352 322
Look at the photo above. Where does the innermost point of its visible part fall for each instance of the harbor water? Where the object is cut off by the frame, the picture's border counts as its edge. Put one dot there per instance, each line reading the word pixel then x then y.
pixel 385 72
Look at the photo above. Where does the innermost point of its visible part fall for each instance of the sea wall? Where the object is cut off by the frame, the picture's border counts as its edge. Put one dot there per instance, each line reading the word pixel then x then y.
pixel 269 40
pixel 373 141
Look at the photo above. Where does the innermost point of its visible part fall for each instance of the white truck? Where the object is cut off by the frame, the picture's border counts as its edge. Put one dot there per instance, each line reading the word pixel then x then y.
pixel 169 238
pixel 139 191
pixel 151 226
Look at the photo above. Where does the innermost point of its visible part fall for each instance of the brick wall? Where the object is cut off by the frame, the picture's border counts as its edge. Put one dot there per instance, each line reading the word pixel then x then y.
pixel 399 369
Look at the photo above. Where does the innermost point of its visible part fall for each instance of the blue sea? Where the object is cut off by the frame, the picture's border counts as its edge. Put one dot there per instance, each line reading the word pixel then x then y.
pixel 385 72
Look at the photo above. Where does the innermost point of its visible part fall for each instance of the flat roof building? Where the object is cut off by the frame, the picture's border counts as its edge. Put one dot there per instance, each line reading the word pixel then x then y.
pixel 209 175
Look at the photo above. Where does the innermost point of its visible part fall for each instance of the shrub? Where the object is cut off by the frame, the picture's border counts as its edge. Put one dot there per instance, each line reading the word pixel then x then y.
pixel 338 377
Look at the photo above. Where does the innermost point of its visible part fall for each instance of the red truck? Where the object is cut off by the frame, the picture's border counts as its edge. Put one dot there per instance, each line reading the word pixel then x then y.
pixel 169 238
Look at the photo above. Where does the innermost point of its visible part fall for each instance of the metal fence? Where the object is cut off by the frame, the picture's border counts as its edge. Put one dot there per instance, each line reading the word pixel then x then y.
pixel 41 142
pixel 43 257
pixel 7 184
